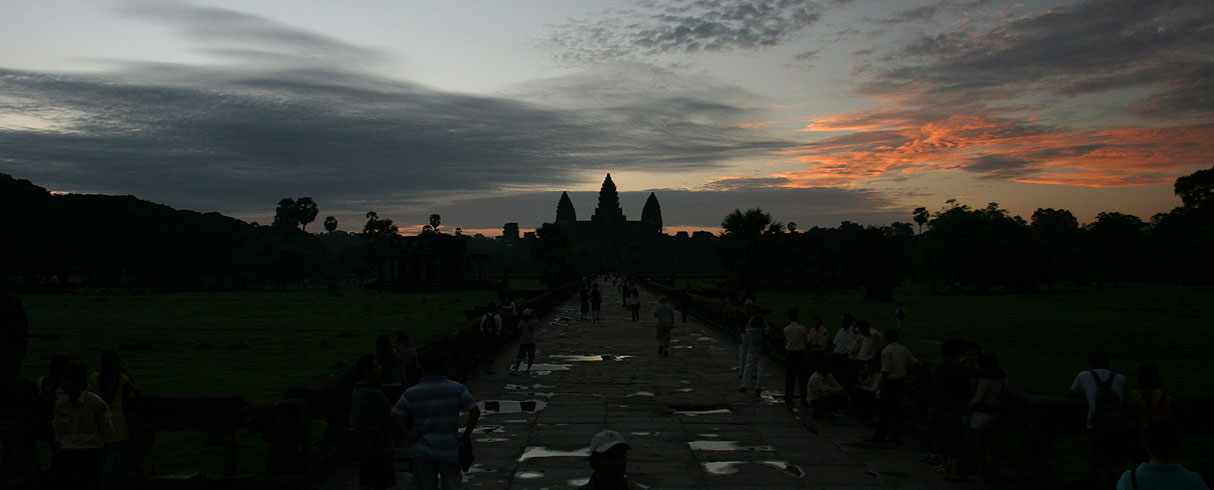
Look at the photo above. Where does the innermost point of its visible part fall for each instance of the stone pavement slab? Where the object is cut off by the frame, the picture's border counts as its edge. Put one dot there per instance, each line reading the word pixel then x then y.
pixel 686 423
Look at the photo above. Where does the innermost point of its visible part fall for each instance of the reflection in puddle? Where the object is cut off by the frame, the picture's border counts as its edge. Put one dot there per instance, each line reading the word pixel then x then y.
pixel 590 357
pixel 731 467
pixel 686 390
pixel 644 433
pixel 770 397
pixel 695 410
pixel 706 339
pixel 725 446
pixel 529 475
pixel 489 407
pixel 492 439
pixel 543 452
pixel 710 434
pixel 722 467
pixel 577 482
pixel 486 429
pixel 784 466
pixel 640 393
pixel 542 369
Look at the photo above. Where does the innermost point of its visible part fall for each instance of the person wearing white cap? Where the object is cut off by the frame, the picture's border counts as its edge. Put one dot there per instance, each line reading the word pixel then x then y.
pixel 526 341
pixel 609 461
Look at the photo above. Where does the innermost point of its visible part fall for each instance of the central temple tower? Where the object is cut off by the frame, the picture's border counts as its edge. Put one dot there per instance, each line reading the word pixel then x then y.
pixel 608 213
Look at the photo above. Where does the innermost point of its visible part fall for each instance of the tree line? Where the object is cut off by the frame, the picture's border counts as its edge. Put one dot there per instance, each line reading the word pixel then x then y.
pixel 979 250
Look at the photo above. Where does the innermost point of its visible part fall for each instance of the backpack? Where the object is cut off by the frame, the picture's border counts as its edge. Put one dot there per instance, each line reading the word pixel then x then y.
pixel 489 324
pixel 1107 416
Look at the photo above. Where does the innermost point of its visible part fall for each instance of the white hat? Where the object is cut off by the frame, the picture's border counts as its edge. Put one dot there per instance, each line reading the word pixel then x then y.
pixel 606 440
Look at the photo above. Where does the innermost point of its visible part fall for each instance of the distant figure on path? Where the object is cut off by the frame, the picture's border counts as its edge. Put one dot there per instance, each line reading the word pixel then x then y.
pixel 838 361
pixel 1104 391
pixel 370 418
pixel 435 404
pixel 749 309
pixel 609 462
pixel 114 383
pixel 755 337
pixel 796 361
pixel 685 302
pixel 596 302
pixel 665 321
pixel 510 318
pixel 634 303
pixel 584 300
pixel 491 332
pixel 1161 471
pixel 896 361
pixel 408 357
pixel 899 315
pixel 526 341
pixel 82 428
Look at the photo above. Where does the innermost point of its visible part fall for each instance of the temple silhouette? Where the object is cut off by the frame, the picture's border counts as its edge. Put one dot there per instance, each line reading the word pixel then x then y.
pixel 608 231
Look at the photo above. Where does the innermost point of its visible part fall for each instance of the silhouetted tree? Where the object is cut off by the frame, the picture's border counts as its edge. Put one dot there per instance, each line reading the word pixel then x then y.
pixel 286 215
pixel 1196 189
pixel 1117 248
pixel 552 250
pixel 742 243
pixel 792 226
pixel 306 212
pixel 330 224
pixel 382 239
pixel 921 217
pixel 435 221
pixel 1058 231
pixel 980 248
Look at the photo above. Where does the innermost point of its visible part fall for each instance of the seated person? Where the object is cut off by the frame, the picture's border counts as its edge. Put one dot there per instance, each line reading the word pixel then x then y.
pixel 825 393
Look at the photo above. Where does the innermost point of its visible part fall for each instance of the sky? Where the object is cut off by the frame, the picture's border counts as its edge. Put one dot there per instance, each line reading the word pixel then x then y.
pixel 484 111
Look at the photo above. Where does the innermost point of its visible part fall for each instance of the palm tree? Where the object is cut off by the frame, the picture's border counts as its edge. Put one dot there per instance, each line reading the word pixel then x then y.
pixel 741 238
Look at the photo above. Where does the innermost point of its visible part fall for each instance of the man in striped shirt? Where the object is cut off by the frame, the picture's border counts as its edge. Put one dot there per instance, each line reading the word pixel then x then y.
pixel 435 403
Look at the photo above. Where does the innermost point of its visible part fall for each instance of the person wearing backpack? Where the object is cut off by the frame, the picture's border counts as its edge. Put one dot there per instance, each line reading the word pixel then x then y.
pixel 1104 391
pixel 1161 471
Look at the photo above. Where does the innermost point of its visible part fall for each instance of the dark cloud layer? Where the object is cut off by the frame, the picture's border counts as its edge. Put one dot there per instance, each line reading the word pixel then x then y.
pixel 1094 46
pixel 242 140
pixel 684 27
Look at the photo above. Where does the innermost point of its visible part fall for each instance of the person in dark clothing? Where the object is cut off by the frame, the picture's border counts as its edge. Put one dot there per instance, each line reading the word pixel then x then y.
pixel 370 414
pixel 609 461
pixel 685 302
pixel 596 302
pixel 950 397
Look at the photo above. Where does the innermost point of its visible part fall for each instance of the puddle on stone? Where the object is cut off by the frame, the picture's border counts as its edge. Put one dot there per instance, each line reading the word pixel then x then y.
pixel 542 369
pixel 686 390
pixel 724 446
pixel 640 393
pixel 515 421
pixel 786 467
pixel 492 439
pixel 722 467
pixel 697 410
pixel 685 381
pixel 710 434
pixel 543 452
pixel 578 482
pixel 529 475
pixel 706 339
pixel 490 407
pixel 642 434
pixel 488 429
pixel 590 357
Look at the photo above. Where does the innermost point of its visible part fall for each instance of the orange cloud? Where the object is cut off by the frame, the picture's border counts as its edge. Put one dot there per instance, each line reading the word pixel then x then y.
pixel 886 144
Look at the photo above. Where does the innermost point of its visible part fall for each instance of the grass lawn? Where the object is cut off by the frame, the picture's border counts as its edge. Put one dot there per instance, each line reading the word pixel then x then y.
pixel 254 343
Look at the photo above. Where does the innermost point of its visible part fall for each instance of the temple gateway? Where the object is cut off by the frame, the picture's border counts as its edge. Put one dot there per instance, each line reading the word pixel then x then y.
pixel 608 230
